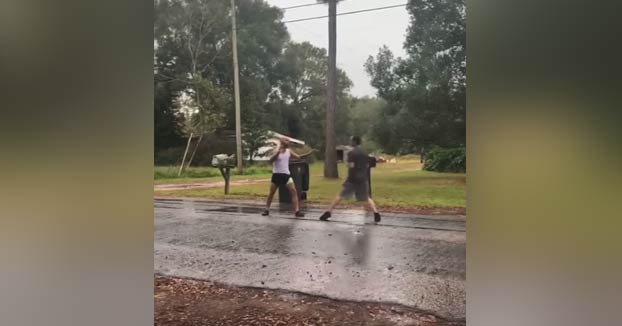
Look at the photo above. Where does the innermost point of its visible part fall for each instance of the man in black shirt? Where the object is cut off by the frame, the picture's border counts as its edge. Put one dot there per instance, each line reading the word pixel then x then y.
pixel 357 183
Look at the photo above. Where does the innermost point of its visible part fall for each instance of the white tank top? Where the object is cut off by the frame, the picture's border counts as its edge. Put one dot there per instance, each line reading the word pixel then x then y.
pixel 281 164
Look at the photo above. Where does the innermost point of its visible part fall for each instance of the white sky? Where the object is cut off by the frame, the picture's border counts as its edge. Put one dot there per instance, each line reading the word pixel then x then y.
pixel 358 35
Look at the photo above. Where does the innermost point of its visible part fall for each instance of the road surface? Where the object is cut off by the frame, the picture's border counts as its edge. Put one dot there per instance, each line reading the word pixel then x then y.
pixel 413 260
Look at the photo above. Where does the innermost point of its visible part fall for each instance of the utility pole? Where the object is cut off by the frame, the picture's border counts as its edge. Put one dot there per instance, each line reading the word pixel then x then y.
pixel 236 87
pixel 330 155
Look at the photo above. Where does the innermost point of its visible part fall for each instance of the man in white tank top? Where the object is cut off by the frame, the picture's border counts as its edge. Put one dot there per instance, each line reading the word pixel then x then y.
pixel 281 176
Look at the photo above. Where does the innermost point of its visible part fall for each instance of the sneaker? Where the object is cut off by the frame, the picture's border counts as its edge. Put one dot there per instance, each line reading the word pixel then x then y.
pixel 265 213
pixel 299 214
pixel 325 216
pixel 376 217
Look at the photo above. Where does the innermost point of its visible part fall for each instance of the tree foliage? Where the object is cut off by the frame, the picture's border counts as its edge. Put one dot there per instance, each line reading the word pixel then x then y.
pixel 426 91
pixel 193 56
pixel 298 100
pixel 254 136
pixel 167 120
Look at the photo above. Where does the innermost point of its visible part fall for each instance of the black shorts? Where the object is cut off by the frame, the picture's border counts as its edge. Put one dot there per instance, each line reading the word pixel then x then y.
pixel 358 188
pixel 280 179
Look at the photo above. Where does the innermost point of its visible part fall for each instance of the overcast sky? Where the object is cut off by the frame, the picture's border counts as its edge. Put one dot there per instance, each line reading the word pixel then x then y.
pixel 358 35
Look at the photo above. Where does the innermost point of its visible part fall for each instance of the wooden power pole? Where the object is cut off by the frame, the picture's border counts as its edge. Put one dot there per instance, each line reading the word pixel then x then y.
pixel 330 155
pixel 236 86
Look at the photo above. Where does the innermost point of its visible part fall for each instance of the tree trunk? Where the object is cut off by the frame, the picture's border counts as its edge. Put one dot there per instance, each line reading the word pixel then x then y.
pixel 195 150
pixel 330 155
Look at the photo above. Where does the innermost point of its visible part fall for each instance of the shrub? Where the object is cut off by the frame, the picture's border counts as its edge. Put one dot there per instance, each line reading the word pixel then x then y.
pixel 445 160
pixel 168 156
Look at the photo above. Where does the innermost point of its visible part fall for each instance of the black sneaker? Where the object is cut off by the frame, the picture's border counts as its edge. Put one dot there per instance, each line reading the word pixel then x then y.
pixel 265 213
pixel 376 217
pixel 325 216
pixel 299 214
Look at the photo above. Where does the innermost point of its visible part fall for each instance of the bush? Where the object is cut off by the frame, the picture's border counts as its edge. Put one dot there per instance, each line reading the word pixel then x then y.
pixel 445 160
pixel 169 156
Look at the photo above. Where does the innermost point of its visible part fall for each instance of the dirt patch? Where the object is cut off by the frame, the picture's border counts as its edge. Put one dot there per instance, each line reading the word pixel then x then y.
pixel 191 302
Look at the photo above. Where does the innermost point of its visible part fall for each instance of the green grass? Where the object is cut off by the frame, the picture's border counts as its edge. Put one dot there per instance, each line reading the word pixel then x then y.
pixel 401 185
pixel 168 174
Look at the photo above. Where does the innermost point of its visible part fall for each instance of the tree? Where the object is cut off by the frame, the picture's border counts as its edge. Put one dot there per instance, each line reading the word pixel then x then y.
pixel 190 38
pixel 365 116
pixel 255 136
pixel 283 84
pixel 426 91
pixel 167 121
pixel 297 105
pixel 207 115
pixel 193 53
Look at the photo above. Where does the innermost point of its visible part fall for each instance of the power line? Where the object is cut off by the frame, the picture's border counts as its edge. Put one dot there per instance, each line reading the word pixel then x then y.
pixel 300 6
pixel 306 5
pixel 344 13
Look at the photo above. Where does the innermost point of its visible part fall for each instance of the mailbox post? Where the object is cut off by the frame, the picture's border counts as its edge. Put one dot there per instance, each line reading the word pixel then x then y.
pixel 226 174
pixel 224 163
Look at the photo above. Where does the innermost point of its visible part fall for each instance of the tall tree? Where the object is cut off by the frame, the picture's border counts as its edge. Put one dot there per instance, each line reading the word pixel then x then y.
pixel 365 115
pixel 193 52
pixel 255 136
pixel 167 121
pixel 192 31
pixel 426 91
pixel 299 98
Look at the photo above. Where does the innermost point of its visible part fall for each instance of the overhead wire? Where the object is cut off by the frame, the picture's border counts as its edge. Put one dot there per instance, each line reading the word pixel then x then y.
pixel 344 13
pixel 306 5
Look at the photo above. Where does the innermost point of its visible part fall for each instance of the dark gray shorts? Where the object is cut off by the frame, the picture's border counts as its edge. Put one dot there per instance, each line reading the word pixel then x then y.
pixel 358 189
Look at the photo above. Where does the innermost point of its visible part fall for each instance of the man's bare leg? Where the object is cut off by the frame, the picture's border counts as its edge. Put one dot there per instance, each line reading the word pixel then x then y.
pixel 292 190
pixel 334 204
pixel 372 206
pixel 270 197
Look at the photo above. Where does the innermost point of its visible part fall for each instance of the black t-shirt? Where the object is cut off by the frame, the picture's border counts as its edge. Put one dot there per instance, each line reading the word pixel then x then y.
pixel 358 173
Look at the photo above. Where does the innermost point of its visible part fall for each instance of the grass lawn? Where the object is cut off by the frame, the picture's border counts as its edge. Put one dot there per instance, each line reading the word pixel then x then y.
pixel 395 185
pixel 168 174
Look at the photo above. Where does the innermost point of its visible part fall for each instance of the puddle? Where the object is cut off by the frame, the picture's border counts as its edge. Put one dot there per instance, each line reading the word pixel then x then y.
pixel 232 209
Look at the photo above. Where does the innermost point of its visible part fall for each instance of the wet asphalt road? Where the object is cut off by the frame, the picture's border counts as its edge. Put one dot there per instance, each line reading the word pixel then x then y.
pixel 414 260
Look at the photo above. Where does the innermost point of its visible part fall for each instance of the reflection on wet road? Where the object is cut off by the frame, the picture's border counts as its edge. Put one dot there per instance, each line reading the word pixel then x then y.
pixel 413 260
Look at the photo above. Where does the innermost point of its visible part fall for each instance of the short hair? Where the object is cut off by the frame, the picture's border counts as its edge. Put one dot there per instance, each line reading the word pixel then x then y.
pixel 356 140
pixel 284 142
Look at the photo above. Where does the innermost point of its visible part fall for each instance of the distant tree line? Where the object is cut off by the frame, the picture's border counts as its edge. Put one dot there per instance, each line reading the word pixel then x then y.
pixel 283 83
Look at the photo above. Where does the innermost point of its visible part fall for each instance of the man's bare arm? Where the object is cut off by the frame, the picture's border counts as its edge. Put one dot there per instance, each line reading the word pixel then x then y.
pixel 294 155
pixel 275 155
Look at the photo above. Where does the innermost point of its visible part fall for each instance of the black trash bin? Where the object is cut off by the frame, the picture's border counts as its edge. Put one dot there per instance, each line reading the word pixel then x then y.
pixel 299 171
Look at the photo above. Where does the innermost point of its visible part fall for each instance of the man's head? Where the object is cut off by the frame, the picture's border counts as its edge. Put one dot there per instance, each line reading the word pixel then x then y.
pixel 284 142
pixel 355 140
